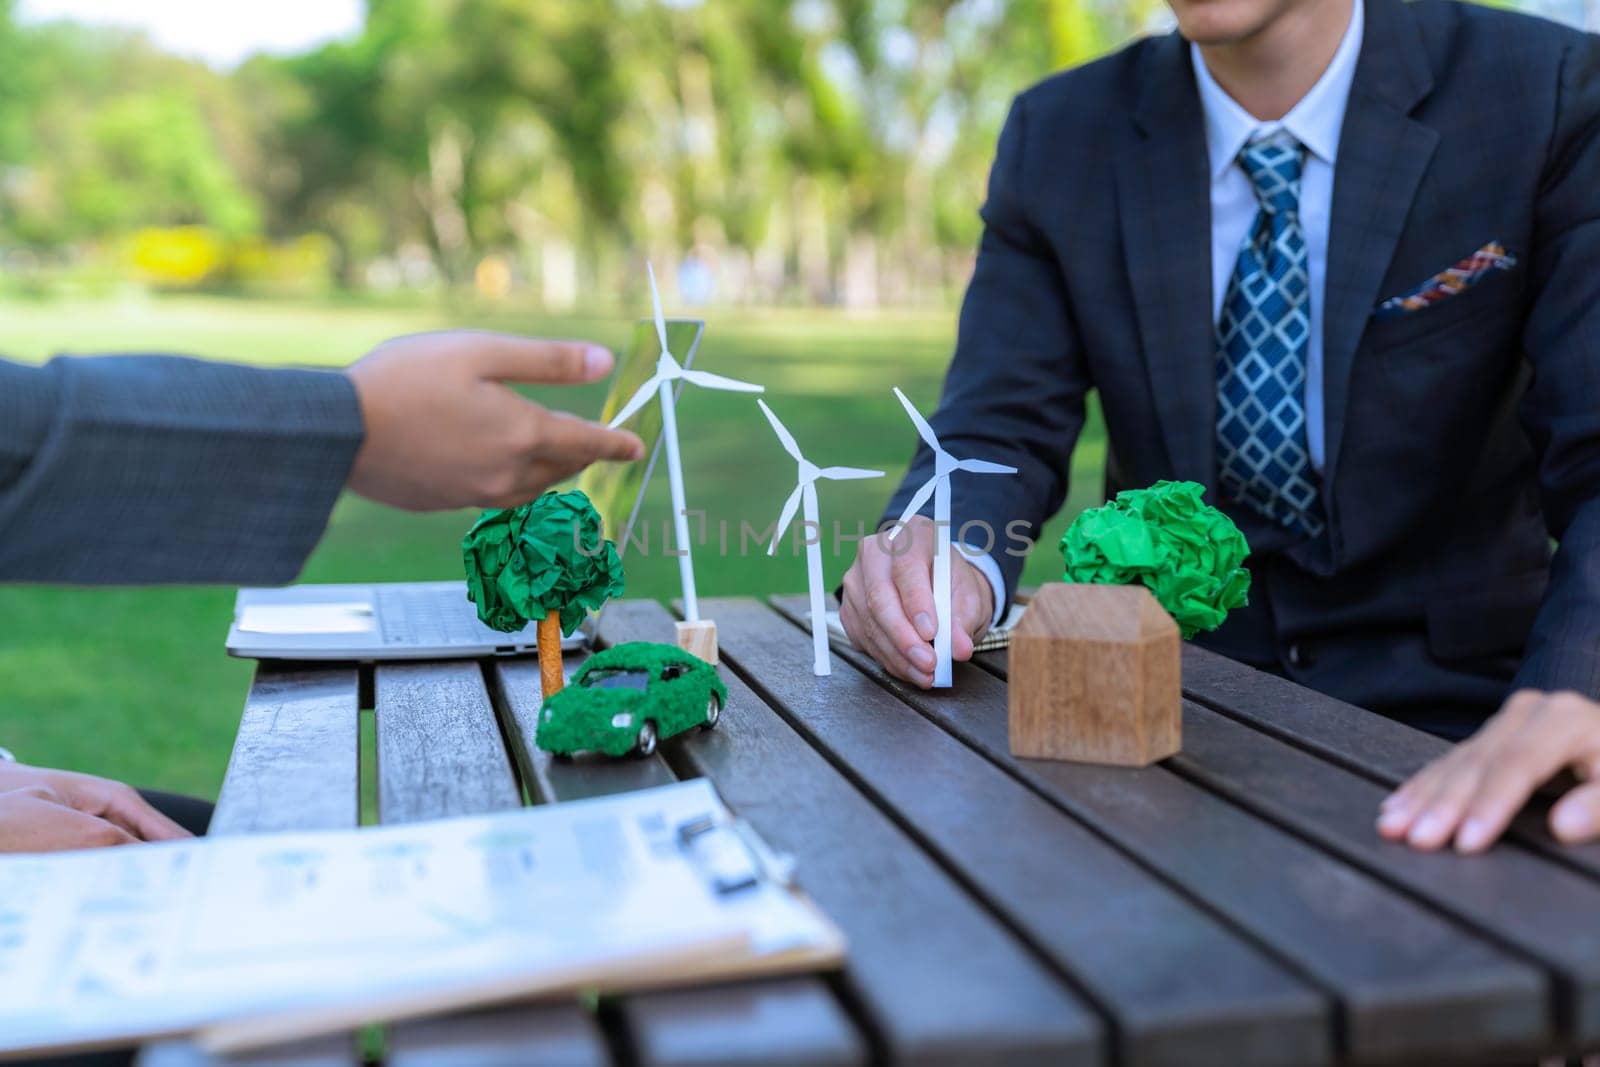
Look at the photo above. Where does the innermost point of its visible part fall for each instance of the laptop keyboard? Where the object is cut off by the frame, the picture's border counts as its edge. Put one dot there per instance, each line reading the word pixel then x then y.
pixel 432 618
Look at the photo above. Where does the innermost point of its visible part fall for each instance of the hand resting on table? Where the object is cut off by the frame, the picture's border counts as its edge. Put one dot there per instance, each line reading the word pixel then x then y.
pixel 1472 793
pixel 43 810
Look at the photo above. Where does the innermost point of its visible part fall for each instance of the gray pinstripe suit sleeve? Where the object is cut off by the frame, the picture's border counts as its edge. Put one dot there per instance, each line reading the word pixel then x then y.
pixel 150 469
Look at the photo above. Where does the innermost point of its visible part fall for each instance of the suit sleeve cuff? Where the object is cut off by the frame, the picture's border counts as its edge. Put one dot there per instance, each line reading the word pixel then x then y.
pixel 1574 666
pixel 991 571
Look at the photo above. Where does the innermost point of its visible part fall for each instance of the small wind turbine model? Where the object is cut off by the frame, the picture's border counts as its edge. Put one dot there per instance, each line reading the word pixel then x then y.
pixel 694 635
pixel 804 498
pixel 938 486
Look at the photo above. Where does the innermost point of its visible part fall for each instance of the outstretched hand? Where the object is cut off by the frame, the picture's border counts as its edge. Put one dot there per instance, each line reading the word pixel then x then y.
pixel 1472 793
pixel 43 810
pixel 444 430
pixel 888 608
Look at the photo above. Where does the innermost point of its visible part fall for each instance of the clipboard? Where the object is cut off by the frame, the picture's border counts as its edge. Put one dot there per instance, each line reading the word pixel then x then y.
pixel 738 913
pixel 732 858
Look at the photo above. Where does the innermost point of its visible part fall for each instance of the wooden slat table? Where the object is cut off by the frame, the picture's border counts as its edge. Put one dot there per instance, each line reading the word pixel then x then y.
pixel 1231 906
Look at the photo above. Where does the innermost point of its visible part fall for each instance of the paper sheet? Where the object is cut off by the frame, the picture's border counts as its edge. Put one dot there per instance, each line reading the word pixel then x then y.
pixel 353 617
pixel 154 939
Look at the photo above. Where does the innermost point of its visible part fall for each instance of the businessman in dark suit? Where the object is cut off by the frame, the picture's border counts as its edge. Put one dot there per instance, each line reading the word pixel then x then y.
pixel 1338 261
pixel 138 470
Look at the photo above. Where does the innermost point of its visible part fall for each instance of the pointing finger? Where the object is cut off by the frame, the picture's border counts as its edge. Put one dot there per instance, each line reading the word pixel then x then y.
pixel 564 438
pixel 507 358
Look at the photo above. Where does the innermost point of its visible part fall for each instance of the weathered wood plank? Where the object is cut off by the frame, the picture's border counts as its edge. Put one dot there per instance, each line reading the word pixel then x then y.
pixel 550 1035
pixel 1177 986
pixel 1515 896
pixel 440 753
pixel 785 1022
pixel 293 768
pixel 1341 733
pixel 294 761
pixel 322 1052
pixel 1382 749
pixel 1411 985
pixel 798 1019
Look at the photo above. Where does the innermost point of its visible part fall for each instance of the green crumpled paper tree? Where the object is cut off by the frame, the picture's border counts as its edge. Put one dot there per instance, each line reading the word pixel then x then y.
pixel 545 561
pixel 1186 552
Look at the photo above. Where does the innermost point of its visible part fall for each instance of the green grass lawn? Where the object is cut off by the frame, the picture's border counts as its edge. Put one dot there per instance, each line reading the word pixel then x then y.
pixel 133 683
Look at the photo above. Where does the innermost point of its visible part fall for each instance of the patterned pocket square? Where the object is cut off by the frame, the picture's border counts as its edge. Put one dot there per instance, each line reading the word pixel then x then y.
pixel 1449 282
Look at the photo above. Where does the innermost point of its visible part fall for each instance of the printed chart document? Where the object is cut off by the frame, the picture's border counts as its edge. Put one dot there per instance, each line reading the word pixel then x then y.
pixel 258 939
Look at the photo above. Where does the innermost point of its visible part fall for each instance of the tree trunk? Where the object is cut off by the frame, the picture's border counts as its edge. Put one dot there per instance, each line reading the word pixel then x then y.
pixel 549 634
pixel 440 192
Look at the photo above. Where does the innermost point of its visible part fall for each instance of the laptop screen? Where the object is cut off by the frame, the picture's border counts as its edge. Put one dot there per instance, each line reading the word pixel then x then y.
pixel 617 489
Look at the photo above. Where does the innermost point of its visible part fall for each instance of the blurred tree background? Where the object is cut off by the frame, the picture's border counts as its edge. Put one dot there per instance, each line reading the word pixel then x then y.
pixel 787 151
pixel 781 151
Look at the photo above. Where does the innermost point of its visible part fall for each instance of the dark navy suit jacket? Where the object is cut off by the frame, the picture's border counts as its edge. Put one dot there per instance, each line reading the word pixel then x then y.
pixel 1461 439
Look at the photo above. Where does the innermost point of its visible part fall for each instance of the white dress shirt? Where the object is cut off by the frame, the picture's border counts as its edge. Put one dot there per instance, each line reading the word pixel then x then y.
pixel 1315 122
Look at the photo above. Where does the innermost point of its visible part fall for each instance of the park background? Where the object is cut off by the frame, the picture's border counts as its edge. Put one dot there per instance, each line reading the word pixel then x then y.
pixel 290 184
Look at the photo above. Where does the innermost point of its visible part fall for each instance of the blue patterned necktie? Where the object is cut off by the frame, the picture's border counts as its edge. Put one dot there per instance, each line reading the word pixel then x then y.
pixel 1263 458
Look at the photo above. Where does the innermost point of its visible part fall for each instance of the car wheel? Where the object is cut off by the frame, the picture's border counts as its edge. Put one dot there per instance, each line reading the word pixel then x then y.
pixel 713 710
pixel 646 744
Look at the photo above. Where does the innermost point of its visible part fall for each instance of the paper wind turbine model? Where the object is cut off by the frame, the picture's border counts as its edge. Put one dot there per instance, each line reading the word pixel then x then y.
pixel 938 487
pixel 694 635
pixel 804 499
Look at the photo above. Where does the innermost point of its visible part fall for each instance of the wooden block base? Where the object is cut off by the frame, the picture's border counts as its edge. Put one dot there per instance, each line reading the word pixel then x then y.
pixel 1094 677
pixel 699 638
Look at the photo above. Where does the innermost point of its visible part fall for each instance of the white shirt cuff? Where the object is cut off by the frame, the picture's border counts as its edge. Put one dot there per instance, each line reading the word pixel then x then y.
pixel 990 570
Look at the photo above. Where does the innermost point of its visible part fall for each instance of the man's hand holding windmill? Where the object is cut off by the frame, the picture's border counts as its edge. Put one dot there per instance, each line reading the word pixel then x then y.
pixel 910 600
pixel 888 608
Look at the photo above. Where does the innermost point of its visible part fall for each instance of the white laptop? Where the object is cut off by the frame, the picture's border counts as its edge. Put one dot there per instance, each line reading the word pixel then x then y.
pixel 435 620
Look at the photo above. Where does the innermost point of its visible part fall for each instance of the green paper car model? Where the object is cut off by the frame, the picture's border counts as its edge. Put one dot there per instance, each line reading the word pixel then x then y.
pixel 628 699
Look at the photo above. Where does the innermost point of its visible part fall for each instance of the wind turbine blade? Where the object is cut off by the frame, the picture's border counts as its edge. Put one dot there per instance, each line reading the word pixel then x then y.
pixel 784 436
pixel 637 401
pixel 915 506
pixel 923 429
pixel 717 381
pixel 784 519
pixel 845 474
pixel 655 301
pixel 983 466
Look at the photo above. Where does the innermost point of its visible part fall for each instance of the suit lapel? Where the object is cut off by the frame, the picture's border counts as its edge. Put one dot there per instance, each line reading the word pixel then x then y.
pixel 1383 154
pixel 1163 184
